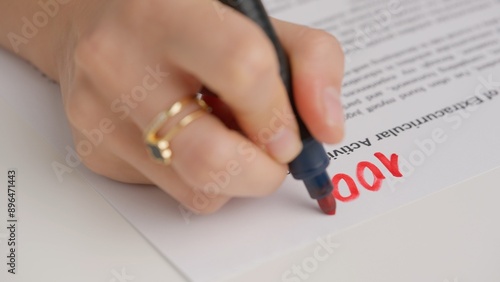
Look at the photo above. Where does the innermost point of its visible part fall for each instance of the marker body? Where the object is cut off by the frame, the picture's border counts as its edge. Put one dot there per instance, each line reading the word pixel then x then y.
pixel 310 166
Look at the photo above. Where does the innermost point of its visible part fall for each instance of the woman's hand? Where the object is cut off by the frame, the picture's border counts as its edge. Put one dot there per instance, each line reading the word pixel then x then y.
pixel 120 63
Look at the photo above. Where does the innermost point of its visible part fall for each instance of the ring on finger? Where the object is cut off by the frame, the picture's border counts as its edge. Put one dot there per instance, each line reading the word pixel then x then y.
pixel 159 146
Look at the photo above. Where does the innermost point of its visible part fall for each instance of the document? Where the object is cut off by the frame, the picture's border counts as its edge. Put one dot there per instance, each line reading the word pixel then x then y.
pixel 421 100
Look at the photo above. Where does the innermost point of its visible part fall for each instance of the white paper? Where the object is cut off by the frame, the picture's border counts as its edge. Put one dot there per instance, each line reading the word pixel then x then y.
pixel 434 54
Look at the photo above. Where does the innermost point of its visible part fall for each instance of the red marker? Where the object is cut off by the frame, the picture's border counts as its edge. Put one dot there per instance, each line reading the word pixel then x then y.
pixel 328 205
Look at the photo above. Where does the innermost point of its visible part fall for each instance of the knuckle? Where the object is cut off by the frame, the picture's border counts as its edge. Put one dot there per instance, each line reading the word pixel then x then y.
pixel 90 158
pixel 94 165
pixel 140 14
pixel 260 193
pixel 216 154
pixel 212 206
pixel 252 61
pixel 96 162
pixel 102 166
pixel 93 47
pixel 205 157
pixel 319 45
pixel 80 111
pixel 201 202
pixel 319 41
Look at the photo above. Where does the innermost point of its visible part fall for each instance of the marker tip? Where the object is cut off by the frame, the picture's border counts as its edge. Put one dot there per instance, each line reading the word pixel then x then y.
pixel 328 205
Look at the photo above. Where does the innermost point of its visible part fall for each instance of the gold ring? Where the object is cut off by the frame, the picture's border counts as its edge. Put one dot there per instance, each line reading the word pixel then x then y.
pixel 159 147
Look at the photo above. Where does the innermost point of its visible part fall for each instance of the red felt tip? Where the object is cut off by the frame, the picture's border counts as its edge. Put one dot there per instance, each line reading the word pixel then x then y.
pixel 328 205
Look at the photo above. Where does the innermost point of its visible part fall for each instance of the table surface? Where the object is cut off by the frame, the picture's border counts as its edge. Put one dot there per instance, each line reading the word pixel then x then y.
pixel 68 232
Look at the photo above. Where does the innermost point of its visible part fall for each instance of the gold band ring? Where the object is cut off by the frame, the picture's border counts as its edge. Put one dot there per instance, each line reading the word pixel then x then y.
pixel 159 147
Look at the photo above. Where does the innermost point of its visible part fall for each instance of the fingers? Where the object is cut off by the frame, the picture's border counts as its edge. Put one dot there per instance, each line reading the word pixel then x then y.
pixel 165 177
pixel 317 68
pixel 206 153
pixel 210 157
pixel 210 164
pixel 114 148
pixel 234 58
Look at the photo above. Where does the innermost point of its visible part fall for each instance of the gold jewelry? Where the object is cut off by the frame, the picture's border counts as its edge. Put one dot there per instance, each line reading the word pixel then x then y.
pixel 159 147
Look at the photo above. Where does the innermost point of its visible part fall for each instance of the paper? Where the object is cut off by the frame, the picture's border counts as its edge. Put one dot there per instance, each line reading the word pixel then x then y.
pixel 422 82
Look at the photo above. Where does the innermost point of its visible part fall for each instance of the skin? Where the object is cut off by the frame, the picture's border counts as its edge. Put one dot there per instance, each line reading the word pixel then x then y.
pixel 98 51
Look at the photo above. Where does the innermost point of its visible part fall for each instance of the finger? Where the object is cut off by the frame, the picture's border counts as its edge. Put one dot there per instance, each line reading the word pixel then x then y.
pixel 130 147
pixel 206 147
pixel 213 159
pixel 210 157
pixel 234 58
pixel 317 69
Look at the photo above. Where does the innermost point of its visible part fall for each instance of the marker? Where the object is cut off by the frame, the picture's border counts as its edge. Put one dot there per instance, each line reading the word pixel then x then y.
pixel 310 165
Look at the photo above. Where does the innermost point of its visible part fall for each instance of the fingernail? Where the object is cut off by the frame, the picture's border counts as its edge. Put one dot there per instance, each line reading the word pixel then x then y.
pixel 333 111
pixel 285 145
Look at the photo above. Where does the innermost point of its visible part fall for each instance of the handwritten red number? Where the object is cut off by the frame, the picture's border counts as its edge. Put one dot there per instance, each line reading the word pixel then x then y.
pixel 392 165
pixel 377 175
pixel 353 189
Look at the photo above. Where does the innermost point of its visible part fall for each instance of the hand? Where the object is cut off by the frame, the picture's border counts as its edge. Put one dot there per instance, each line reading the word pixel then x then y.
pixel 123 62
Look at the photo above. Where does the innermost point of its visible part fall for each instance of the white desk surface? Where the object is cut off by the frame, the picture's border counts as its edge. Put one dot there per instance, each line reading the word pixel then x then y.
pixel 70 233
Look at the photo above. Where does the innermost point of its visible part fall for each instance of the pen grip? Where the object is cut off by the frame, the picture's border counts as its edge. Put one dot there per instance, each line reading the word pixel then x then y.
pixel 310 165
pixel 254 10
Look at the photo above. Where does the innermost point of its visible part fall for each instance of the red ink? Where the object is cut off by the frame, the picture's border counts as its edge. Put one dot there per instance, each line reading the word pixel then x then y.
pixel 377 174
pixel 378 177
pixel 392 165
pixel 328 205
pixel 350 184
